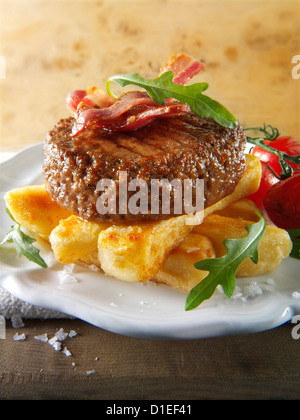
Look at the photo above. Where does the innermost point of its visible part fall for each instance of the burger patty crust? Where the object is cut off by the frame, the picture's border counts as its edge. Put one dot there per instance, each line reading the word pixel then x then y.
pixel 185 147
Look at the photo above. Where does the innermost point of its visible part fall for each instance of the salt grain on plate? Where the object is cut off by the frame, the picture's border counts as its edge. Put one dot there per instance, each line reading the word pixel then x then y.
pixel 93 267
pixel 237 293
pixel 66 276
pixel 296 295
pixel 271 282
pixel 253 290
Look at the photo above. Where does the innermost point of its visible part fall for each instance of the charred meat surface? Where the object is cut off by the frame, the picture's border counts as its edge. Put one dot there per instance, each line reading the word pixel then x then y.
pixel 184 147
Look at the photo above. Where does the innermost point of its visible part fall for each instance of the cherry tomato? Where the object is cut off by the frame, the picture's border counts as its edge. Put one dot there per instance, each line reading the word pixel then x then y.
pixel 282 203
pixel 287 144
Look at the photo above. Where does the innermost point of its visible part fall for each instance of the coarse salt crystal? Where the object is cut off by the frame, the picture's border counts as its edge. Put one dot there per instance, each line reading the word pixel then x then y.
pixel 61 335
pixel 42 337
pixel 66 276
pixel 296 295
pixel 72 334
pixel 145 303
pixel 90 372
pixel 93 267
pixel 69 268
pixel 19 337
pixel 237 293
pixel 52 340
pixel 57 345
pixel 16 321
pixel 253 290
pixel 67 352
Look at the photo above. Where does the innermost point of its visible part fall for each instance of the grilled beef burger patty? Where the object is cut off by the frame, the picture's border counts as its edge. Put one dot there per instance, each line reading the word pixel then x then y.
pixel 181 147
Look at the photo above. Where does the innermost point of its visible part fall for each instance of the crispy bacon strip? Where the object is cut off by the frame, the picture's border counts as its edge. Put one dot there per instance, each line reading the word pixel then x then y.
pixel 134 118
pixel 184 67
pixel 133 109
pixel 119 107
pixel 93 96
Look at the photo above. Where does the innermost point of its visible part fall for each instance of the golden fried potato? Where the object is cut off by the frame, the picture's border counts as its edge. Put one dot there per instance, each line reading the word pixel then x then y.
pixel 249 184
pixel 206 241
pixel 274 246
pixel 34 209
pixel 135 253
pixel 92 261
pixel 179 271
pixel 242 209
pixel 74 239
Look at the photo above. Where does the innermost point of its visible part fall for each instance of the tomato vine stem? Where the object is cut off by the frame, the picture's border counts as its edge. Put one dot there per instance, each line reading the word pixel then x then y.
pixel 271 133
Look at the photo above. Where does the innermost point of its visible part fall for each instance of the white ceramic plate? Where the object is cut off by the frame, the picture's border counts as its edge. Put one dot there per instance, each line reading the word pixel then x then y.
pixel 139 310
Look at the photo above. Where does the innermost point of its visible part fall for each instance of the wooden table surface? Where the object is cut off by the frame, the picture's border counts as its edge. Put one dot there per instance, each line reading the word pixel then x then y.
pixel 51 48
pixel 255 366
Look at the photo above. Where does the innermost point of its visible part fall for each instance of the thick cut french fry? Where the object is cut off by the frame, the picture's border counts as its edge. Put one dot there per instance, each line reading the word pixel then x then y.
pixel 135 253
pixel 249 184
pixel 74 239
pixel 274 246
pixel 242 209
pixel 34 209
pixel 206 241
pixel 179 271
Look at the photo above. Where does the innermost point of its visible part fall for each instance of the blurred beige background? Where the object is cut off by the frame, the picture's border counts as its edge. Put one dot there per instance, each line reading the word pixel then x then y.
pixel 53 47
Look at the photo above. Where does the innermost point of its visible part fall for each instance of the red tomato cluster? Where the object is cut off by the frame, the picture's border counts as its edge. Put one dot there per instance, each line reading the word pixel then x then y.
pixel 279 198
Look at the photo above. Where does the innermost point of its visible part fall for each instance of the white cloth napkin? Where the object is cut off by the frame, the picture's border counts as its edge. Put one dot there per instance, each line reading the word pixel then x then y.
pixel 11 306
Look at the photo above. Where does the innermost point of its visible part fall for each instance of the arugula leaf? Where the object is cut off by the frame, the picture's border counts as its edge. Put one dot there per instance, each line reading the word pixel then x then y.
pixel 222 270
pixel 295 238
pixel 163 87
pixel 23 243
